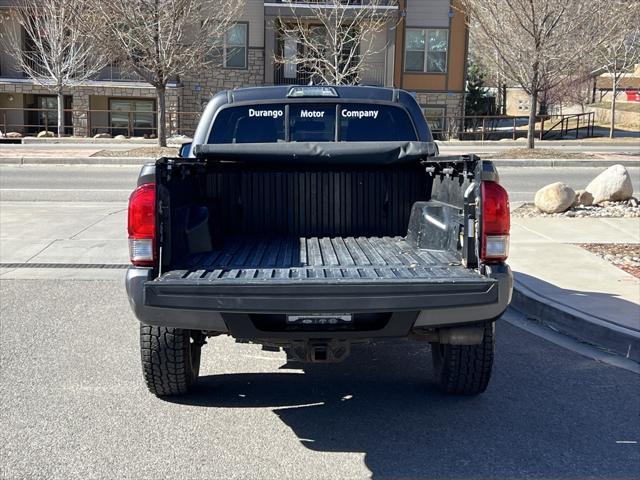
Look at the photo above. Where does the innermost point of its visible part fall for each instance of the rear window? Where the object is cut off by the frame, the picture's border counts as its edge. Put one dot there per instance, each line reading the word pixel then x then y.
pixel 256 124
pixel 322 122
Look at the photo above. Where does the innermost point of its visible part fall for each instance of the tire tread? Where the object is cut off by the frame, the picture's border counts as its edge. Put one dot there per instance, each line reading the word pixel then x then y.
pixel 165 360
pixel 466 369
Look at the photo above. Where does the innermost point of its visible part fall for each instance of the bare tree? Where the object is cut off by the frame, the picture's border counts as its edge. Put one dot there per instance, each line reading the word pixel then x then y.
pixel 162 40
pixel 55 52
pixel 573 90
pixel 537 42
pixel 619 50
pixel 333 40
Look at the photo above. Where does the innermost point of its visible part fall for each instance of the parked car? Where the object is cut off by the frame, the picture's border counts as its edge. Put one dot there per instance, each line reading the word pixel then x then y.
pixel 312 218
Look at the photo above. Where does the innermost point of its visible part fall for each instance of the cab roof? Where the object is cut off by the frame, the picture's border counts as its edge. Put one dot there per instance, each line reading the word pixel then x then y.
pixel 348 92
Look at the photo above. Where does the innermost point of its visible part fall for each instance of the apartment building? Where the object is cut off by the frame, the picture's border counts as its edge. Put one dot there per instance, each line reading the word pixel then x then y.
pixel 423 50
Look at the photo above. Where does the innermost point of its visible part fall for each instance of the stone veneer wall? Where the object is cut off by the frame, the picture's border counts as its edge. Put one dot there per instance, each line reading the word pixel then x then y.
pixel 198 90
pixel 453 104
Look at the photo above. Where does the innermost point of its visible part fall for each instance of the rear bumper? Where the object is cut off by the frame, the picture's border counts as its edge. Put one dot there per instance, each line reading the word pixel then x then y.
pixel 227 308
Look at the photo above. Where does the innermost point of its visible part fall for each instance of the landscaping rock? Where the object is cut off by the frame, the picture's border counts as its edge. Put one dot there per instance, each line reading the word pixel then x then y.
pixel 13 135
pixel 45 134
pixel 583 198
pixel 120 137
pixel 554 198
pixel 627 209
pixel 612 185
pixel 102 135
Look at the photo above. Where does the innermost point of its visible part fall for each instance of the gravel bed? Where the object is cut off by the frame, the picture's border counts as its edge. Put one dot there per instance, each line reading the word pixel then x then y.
pixel 629 208
pixel 625 256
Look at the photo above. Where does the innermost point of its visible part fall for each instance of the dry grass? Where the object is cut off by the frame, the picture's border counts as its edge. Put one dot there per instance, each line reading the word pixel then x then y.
pixel 541 153
pixel 622 106
pixel 142 152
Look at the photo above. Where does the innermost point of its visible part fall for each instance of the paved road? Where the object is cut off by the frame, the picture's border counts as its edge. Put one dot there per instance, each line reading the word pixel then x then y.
pixel 627 146
pixel 74 406
pixel 114 183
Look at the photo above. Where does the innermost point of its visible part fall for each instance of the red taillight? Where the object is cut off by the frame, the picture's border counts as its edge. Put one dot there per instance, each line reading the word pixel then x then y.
pixel 142 225
pixel 496 222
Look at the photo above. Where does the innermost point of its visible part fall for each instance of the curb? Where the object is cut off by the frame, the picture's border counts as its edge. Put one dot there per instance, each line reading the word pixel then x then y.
pixel 542 143
pixel 75 160
pixel 91 141
pixel 507 162
pixel 574 323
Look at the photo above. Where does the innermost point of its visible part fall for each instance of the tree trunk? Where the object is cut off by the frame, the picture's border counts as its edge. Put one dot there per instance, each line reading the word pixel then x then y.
pixel 162 114
pixel 612 126
pixel 531 131
pixel 60 113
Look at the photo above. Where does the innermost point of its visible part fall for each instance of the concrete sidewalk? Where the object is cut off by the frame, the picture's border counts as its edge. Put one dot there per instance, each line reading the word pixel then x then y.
pixel 64 236
pixel 573 290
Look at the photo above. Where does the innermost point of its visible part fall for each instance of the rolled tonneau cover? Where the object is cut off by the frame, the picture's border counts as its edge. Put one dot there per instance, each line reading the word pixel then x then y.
pixel 325 153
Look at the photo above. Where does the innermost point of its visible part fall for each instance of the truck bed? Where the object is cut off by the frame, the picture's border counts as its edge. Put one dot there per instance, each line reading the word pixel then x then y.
pixel 246 259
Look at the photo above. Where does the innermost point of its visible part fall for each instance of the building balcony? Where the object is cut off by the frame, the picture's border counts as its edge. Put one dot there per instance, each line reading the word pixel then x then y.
pixel 293 3
pixel 284 8
pixel 373 74
pixel 110 73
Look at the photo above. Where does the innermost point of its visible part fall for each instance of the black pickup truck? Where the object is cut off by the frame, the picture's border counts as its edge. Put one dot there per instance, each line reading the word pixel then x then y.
pixel 311 218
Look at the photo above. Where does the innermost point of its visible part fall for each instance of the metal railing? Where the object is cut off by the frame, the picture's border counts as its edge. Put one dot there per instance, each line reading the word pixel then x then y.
pixel 373 73
pixel 568 123
pixel 89 122
pixel 111 73
pixel 497 127
pixel 131 123
pixel 117 73
pixel 346 2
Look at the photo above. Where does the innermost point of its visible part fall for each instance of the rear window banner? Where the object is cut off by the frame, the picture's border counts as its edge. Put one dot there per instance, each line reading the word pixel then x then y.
pixel 309 122
pixel 266 113
pixel 359 114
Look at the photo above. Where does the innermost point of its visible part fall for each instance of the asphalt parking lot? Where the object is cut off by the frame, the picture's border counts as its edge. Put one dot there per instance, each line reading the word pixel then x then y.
pixel 74 405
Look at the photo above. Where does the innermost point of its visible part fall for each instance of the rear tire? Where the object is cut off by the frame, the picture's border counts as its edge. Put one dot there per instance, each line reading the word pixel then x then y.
pixel 170 359
pixel 464 369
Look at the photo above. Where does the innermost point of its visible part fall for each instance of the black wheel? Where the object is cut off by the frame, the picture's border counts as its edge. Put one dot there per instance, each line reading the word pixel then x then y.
pixel 464 369
pixel 170 359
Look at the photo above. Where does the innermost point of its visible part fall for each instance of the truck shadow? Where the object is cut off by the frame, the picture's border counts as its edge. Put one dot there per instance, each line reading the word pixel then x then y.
pixel 381 402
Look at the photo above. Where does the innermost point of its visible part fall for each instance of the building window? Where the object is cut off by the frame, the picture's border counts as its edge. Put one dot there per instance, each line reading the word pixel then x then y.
pixel 132 117
pixel 426 50
pixel 435 119
pixel 235 47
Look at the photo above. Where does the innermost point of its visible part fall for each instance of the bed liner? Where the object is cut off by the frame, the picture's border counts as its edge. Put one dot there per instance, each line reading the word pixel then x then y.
pixel 244 259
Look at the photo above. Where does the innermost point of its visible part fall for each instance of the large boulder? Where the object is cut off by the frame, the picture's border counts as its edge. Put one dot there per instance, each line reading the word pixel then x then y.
pixel 120 137
pixel 45 134
pixel 554 198
pixel 583 198
pixel 612 185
